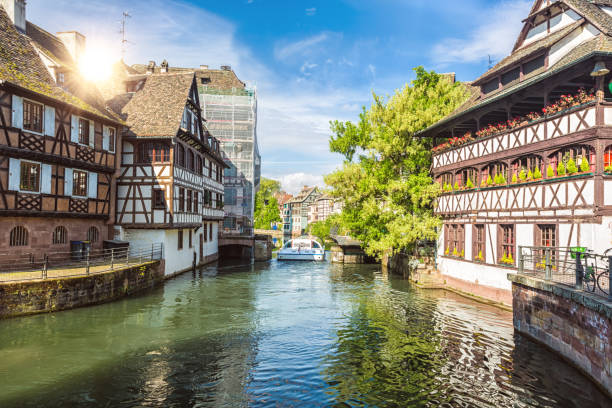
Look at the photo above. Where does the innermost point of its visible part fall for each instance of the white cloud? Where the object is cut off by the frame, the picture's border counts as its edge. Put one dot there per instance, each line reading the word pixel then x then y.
pixel 293 183
pixel 311 11
pixel 301 47
pixel 495 37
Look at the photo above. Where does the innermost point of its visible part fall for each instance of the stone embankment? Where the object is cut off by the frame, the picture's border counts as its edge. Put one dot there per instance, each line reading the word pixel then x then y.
pixel 575 324
pixel 51 295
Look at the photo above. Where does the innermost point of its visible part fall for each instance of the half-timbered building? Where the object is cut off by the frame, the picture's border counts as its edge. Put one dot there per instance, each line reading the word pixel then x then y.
pixel 57 141
pixel 170 184
pixel 528 159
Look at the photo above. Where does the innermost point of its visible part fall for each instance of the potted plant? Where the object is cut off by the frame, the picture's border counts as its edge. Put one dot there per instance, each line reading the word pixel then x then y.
pixel 479 257
pixel 529 175
pixel 457 186
pixel 537 174
pixel 489 181
pixel 455 253
pixel 608 169
pixel 469 184
pixel 447 251
pixel 561 169
pixel 550 173
pixel 514 178
pixel 522 175
pixel 585 167
pixel 571 167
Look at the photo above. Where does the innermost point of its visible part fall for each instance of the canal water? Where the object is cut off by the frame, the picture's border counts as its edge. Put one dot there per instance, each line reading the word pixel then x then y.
pixel 283 334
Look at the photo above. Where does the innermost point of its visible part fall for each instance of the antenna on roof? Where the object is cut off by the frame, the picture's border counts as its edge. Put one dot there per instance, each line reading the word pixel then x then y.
pixel 491 62
pixel 124 40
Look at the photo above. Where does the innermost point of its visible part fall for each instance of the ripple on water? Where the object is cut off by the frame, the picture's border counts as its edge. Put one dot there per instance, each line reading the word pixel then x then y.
pixel 283 334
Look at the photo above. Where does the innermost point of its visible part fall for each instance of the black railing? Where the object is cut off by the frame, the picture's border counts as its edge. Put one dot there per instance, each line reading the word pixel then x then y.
pixel 576 267
pixel 28 267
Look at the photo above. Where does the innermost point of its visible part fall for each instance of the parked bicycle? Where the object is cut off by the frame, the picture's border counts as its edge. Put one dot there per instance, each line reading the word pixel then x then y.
pixel 596 272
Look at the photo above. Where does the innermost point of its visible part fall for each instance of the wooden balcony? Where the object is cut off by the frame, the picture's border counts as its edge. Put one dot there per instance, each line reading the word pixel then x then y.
pixel 493 147
pixel 577 196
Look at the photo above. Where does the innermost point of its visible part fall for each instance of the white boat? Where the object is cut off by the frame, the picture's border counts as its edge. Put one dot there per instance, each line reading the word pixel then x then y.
pixel 301 249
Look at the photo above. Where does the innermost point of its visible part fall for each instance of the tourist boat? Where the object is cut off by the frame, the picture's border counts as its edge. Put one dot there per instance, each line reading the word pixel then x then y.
pixel 302 249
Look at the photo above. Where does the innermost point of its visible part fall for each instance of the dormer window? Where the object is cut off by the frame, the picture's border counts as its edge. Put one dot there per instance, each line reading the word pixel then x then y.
pixel 490 86
pixel 511 76
pixel 60 78
pixel 534 64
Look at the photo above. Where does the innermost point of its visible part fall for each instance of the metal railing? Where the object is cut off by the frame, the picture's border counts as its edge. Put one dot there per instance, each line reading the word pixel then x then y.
pixel 42 266
pixel 575 267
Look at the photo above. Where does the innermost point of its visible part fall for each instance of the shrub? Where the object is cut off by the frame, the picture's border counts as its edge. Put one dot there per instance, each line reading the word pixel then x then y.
pixel 571 166
pixel 463 253
pixel 447 251
pixel 479 257
pixel 457 187
pixel 496 179
pixel 522 175
pixel 537 174
pixel 469 184
pixel 455 253
pixel 502 179
pixel 585 167
pixel 608 169
pixel 514 179
pixel 509 259
pixel 529 175
pixel 550 173
pixel 561 169
pixel 483 183
pixel 489 181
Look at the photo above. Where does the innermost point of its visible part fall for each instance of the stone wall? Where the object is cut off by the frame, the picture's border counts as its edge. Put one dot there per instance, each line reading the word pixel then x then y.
pixel 262 251
pixel 575 324
pixel 25 298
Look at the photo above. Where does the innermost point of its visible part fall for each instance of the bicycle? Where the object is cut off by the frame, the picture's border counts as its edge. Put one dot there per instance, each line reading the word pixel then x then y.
pixel 596 272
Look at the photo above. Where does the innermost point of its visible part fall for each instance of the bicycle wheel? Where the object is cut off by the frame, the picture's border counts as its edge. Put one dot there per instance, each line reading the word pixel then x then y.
pixel 603 283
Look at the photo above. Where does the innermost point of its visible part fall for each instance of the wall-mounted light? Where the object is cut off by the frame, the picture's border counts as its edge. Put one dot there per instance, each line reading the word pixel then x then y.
pixel 600 69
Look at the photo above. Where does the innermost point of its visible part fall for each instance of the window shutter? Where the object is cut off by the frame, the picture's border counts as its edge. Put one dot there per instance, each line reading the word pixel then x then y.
pixel 92 134
pixel 105 138
pixel 92 185
pixel 45 179
pixel 50 121
pixel 67 182
pixel 17 120
pixel 74 129
pixel 14 174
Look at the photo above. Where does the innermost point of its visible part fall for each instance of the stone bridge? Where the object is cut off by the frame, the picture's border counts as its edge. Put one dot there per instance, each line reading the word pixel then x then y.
pixel 348 250
pixel 235 246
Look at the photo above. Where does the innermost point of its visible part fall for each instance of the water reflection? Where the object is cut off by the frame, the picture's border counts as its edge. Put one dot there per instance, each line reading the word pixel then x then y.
pixel 283 334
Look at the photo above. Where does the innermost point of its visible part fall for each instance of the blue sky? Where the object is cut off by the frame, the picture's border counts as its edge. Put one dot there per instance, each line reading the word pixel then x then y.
pixel 312 61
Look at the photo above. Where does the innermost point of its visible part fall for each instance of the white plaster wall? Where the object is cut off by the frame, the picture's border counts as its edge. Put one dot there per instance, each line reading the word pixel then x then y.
pixel 486 275
pixel 556 23
pixel 524 235
pixel 597 237
pixel 491 231
pixel 210 247
pixel 468 241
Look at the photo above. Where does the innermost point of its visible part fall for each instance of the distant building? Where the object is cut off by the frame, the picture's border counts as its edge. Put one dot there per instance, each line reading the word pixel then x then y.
pixel 299 209
pixel 323 207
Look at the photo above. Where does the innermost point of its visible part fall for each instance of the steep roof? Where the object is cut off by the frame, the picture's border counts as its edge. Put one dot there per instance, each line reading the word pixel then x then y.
pixel 157 109
pixel 303 195
pixel 219 78
pixel 600 45
pixel 21 65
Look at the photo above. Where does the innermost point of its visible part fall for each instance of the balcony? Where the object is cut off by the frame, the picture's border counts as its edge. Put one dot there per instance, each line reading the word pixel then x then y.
pixel 550 127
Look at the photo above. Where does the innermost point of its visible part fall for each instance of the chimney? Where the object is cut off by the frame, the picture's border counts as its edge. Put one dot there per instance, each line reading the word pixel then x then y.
pixel 74 43
pixel 151 67
pixel 203 66
pixel 226 68
pixel 164 66
pixel 16 10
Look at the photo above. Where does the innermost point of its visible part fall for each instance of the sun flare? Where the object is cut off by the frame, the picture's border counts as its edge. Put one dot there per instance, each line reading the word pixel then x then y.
pixel 96 64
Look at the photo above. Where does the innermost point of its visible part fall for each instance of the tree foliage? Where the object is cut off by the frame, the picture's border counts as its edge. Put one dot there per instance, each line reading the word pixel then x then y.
pixel 324 229
pixel 266 205
pixel 385 180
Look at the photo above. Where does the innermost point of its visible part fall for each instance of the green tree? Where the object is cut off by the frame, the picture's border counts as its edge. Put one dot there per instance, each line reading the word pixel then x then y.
pixel 385 181
pixel 324 229
pixel 266 205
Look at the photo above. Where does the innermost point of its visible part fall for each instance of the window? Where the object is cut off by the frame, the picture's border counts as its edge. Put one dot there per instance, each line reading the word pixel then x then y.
pixel 60 235
pixel 181 199
pixel 92 234
pixel 32 116
pixel 180 155
pixel 506 243
pixel 608 159
pixel 190 160
pixel 494 170
pixel 205 80
pixel 60 78
pixel 79 183
pixel 576 153
pixel 180 239
pixel 479 245
pixel 205 232
pixel 454 237
pixel 84 131
pixel 189 200
pixel 511 76
pixel 190 238
pixel 547 235
pixel 198 165
pixel 18 237
pixel 467 174
pixel 534 64
pixel 490 86
pixel 154 153
pixel 111 139
pixel 159 201
pixel 446 179
pixel 527 163
pixel 30 177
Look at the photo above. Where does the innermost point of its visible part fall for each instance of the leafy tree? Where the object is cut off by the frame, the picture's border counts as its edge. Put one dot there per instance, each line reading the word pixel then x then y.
pixel 266 205
pixel 324 229
pixel 385 181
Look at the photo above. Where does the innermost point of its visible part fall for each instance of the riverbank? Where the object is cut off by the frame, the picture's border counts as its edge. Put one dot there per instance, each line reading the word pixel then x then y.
pixel 64 293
